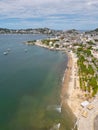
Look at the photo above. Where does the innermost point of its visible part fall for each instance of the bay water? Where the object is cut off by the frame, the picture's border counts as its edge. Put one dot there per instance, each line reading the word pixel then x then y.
pixel 30 85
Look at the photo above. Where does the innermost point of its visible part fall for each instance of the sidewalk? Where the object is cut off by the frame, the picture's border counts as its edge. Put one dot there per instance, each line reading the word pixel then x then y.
pixel 88 123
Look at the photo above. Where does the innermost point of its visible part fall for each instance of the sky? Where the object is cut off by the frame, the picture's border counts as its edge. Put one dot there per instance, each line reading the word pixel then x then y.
pixel 54 14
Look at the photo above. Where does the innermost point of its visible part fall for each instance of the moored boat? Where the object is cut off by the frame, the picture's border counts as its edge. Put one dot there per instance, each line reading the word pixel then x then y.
pixel 5 53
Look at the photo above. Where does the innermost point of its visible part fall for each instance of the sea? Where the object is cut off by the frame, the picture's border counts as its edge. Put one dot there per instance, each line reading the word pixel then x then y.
pixel 30 85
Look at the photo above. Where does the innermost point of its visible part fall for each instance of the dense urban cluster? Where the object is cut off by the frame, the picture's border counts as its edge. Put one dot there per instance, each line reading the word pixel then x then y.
pixel 85 47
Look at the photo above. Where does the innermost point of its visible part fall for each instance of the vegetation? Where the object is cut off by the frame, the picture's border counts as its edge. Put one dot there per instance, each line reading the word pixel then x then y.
pixel 32 42
pixel 46 42
pixel 96 29
pixel 56 45
pixel 50 42
pixel 87 70
pixel 91 43
pixel 96 40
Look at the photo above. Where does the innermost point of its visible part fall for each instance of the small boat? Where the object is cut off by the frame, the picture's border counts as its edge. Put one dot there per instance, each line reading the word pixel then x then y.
pixel 5 53
pixel 8 49
pixel 25 50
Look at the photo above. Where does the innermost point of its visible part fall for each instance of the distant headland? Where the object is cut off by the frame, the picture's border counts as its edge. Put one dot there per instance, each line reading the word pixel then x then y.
pixel 42 31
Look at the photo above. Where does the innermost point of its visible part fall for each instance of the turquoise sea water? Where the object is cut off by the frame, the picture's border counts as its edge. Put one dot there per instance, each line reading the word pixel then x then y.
pixel 30 84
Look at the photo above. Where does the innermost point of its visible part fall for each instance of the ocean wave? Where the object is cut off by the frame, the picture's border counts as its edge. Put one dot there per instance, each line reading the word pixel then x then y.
pixel 56 127
pixel 54 107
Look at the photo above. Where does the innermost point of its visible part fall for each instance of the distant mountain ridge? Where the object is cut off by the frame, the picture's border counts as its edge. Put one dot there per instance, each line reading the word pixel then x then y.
pixel 28 31
pixel 96 29
pixel 93 32
pixel 41 31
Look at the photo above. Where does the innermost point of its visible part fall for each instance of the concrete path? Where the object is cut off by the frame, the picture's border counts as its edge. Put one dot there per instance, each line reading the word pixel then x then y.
pixel 89 123
pixel 96 123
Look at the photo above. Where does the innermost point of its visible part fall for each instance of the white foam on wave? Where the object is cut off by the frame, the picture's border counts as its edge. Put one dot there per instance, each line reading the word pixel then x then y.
pixel 54 107
pixel 63 77
pixel 56 127
pixel 58 109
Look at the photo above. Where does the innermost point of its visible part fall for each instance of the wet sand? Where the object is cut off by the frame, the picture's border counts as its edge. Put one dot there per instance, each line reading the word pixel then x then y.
pixel 64 94
pixel 66 110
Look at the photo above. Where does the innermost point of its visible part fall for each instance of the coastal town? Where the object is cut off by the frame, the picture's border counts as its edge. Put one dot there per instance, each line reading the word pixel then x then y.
pixel 81 74
pixel 49 64
pixel 82 49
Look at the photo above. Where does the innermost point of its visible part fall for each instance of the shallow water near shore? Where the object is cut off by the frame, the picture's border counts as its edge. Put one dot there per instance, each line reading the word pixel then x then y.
pixel 30 86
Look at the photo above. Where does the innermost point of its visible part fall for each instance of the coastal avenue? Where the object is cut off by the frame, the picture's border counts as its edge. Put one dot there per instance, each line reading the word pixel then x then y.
pixel 96 123
pixel 91 122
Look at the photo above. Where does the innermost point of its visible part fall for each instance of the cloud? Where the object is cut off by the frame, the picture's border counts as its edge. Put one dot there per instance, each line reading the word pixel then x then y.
pixel 48 12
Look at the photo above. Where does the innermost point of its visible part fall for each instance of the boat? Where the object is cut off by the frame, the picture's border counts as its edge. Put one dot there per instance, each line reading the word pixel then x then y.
pixel 5 53
pixel 8 49
pixel 25 50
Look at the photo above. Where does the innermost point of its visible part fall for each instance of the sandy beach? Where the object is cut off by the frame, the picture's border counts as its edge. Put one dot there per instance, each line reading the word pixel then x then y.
pixel 66 80
pixel 71 90
pixel 74 96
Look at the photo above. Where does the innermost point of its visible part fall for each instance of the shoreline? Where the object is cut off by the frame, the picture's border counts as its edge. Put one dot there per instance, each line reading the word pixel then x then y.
pixel 66 90
pixel 73 96
pixel 71 91
pixel 38 43
pixel 66 79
